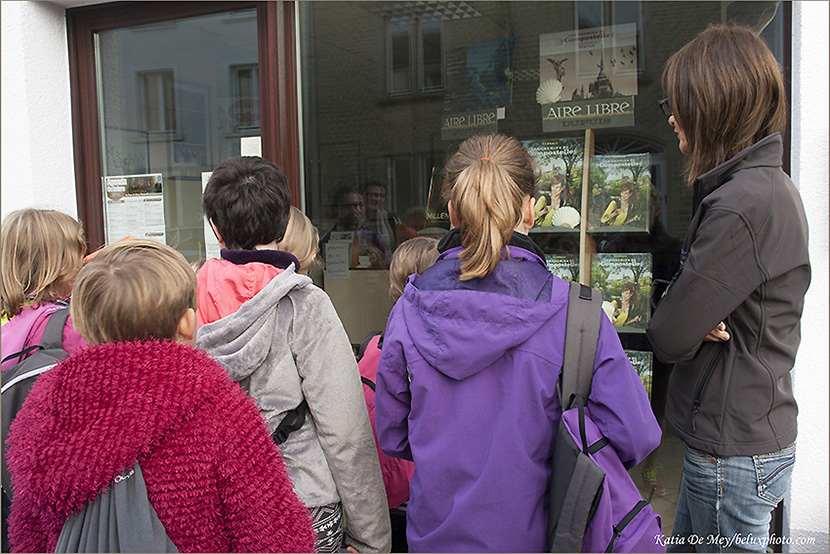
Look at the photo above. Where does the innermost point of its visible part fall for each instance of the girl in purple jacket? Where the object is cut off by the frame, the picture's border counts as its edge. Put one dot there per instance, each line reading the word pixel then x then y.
pixel 466 385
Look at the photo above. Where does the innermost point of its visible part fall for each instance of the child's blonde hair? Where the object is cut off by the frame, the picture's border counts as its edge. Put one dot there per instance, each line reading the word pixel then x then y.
pixel 42 251
pixel 487 181
pixel 134 289
pixel 302 240
pixel 413 256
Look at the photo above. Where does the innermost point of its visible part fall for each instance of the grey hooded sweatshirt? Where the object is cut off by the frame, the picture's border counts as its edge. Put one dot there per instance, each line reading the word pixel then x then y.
pixel 287 343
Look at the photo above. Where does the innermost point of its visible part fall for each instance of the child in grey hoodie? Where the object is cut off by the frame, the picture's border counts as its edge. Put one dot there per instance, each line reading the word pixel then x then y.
pixel 279 336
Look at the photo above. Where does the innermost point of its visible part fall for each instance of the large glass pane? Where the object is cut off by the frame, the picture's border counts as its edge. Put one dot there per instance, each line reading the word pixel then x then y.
pixel 612 208
pixel 175 99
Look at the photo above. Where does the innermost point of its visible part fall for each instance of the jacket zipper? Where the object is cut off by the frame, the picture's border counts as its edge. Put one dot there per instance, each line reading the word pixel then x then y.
pixel 710 369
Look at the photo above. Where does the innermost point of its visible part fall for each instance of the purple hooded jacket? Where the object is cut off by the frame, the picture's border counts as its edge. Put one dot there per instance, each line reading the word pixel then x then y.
pixel 466 388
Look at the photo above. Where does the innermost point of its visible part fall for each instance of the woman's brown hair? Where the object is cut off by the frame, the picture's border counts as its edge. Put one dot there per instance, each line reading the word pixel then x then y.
pixel 726 93
pixel 42 252
pixel 487 181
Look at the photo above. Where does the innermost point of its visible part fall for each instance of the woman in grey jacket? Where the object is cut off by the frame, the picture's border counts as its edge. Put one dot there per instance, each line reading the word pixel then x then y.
pixel 730 320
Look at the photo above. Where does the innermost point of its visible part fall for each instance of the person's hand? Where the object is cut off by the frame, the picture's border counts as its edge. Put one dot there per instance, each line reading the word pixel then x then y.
pixel 718 334
pixel 352 549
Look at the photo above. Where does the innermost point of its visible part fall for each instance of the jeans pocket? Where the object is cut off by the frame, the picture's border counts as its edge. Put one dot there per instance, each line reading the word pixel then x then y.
pixel 698 457
pixel 774 473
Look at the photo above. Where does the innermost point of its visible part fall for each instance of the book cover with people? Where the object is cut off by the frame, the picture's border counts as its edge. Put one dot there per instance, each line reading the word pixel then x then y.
pixel 564 266
pixel 625 283
pixel 642 360
pixel 559 189
pixel 620 193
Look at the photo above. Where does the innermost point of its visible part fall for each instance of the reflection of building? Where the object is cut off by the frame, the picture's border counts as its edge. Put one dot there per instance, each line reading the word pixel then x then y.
pixel 602 86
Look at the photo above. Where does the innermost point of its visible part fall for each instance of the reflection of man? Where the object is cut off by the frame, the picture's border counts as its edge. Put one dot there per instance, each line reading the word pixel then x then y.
pixel 367 243
pixel 378 219
pixel 384 223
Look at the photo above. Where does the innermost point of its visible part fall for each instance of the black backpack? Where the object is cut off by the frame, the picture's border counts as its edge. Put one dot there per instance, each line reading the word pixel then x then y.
pixel 17 381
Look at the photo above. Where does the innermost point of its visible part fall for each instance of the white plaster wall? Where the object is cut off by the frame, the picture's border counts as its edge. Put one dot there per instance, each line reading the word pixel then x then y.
pixel 37 167
pixel 808 497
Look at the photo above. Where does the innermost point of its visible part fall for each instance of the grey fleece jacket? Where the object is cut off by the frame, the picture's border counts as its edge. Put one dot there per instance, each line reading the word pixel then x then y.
pixel 287 343
pixel 745 262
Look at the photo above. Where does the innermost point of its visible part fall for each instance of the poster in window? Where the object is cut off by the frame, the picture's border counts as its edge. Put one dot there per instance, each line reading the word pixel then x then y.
pixel 625 283
pixel 620 193
pixel 479 82
pixel 558 197
pixel 588 78
pixel 564 266
pixel 642 360
pixel 134 207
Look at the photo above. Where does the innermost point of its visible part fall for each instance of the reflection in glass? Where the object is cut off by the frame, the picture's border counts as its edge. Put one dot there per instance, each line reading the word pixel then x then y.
pixel 174 100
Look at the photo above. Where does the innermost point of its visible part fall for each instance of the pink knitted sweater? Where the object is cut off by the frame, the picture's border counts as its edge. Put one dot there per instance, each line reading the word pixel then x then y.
pixel 214 476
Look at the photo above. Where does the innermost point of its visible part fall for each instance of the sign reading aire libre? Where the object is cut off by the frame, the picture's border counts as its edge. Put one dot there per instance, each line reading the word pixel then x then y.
pixel 593 113
pixel 467 124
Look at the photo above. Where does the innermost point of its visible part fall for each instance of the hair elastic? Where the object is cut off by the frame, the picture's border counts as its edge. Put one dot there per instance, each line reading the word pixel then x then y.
pixel 488 159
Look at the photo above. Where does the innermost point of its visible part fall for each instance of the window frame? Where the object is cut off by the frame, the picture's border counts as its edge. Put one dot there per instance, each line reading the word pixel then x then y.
pixel 279 113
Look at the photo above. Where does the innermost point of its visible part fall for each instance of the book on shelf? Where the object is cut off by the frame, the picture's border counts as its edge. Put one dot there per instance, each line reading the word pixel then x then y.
pixel 559 189
pixel 625 283
pixel 620 193
pixel 642 360
pixel 564 266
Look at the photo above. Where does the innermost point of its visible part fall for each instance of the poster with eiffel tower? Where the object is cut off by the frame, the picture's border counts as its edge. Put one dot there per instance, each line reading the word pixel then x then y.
pixel 588 78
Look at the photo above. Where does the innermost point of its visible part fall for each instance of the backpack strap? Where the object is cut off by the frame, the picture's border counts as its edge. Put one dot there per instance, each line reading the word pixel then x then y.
pixel 52 336
pixel 363 345
pixel 581 335
pixel 291 421
pixel 368 382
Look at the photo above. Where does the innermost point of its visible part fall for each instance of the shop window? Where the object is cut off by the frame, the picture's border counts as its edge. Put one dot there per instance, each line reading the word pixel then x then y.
pixel 158 101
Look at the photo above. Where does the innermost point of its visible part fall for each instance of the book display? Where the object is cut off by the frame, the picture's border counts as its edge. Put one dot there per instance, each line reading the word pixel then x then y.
pixel 559 189
pixel 620 193
pixel 564 266
pixel 625 283
pixel 643 362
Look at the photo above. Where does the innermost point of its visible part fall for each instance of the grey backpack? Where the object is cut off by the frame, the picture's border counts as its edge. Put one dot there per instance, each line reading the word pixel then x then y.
pixel 120 519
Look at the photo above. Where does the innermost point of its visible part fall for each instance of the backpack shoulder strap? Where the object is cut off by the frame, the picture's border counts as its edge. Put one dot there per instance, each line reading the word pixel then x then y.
pixel 581 335
pixel 53 334
pixel 291 421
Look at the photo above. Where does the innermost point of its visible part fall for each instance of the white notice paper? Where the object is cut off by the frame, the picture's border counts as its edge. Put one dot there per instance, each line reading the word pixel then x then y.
pixel 337 260
pixel 211 243
pixel 134 207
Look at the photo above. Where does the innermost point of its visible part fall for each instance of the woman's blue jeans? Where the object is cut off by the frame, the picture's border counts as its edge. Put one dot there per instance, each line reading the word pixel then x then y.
pixel 725 503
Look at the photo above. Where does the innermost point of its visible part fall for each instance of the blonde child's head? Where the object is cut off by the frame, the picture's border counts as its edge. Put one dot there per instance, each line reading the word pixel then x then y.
pixel 302 240
pixel 42 251
pixel 413 256
pixel 135 289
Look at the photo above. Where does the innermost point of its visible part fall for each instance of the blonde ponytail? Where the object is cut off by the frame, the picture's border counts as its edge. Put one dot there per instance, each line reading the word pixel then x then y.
pixel 488 180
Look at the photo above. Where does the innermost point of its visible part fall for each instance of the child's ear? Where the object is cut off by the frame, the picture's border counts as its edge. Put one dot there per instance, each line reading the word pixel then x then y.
pixel 215 232
pixel 454 221
pixel 186 331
